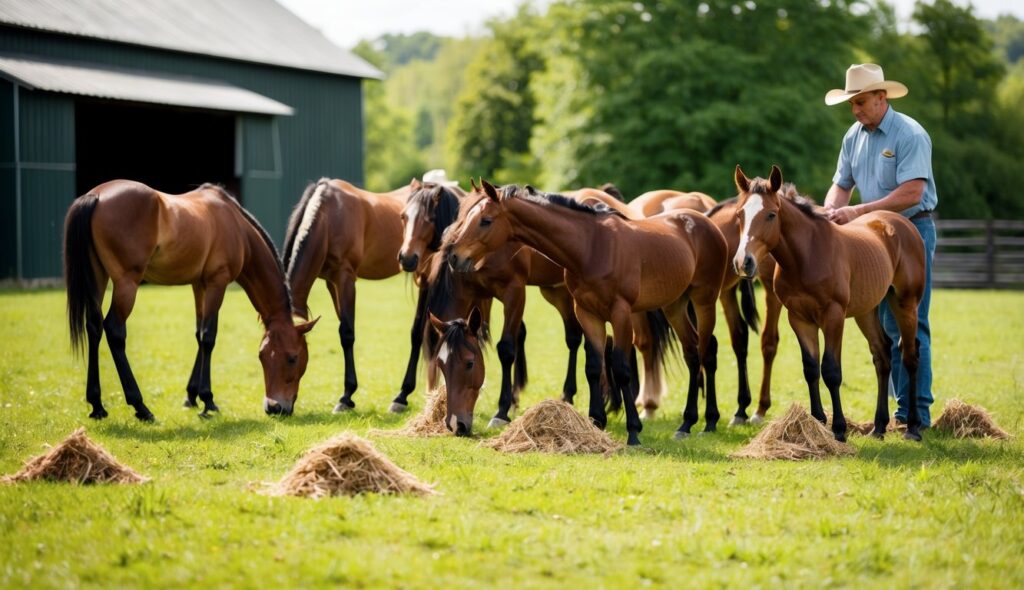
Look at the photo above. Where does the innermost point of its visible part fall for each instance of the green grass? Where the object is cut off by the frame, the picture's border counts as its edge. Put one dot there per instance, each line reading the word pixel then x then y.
pixel 945 513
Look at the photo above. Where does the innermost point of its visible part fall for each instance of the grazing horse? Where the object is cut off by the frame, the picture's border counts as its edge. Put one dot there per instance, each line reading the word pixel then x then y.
pixel 654 202
pixel 614 267
pixel 127 233
pixel 826 273
pixel 339 232
pixel 461 361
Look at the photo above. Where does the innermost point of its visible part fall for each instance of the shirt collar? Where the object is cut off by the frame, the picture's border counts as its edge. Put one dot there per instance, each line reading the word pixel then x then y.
pixel 887 120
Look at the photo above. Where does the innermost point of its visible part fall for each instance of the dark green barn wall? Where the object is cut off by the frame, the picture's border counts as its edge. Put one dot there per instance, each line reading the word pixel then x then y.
pixel 323 138
pixel 8 206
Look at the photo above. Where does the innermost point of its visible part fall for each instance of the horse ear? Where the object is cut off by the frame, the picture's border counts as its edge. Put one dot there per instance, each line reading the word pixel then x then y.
pixel 775 178
pixel 305 327
pixel 437 324
pixel 415 184
pixel 742 182
pixel 489 189
pixel 472 183
pixel 475 321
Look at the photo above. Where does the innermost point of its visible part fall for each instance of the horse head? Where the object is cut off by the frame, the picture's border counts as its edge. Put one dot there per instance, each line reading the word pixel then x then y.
pixel 461 361
pixel 482 228
pixel 284 355
pixel 429 211
pixel 757 216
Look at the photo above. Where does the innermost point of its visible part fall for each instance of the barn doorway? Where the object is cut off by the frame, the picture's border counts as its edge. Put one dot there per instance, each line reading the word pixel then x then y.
pixel 171 149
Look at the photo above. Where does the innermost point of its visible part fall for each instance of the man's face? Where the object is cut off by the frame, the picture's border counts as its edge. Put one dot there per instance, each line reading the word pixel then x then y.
pixel 869 108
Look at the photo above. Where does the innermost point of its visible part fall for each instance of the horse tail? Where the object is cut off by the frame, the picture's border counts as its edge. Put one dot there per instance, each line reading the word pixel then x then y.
pixel 79 275
pixel 295 222
pixel 520 376
pixel 748 304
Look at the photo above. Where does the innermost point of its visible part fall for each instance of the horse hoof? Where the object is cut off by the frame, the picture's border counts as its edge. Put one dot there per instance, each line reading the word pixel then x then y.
pixel 497 423
pixel 633 440
pixel 190 403
pixel 600 424
pixel 707 431
pixel 840 436
pixel 756 419
pixel 205 415
pixel 914 436
pixel 681 434
pixel 396 408
pixel 879 434
pixel 344 406
pixel 568 398
pixel 145 416
pixel 98 414
pixel 210 407
pixel 738 421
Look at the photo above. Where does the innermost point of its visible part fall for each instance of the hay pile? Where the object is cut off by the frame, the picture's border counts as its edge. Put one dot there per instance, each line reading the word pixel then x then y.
pixel 866 428
pixel 967 421
pixel 797 435
pixel 429 422
pixel 77 460
pixel 552 426
pixel 346 465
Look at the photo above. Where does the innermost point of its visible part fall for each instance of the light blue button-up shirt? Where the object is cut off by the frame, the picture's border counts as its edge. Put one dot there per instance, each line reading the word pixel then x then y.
pixel 878 161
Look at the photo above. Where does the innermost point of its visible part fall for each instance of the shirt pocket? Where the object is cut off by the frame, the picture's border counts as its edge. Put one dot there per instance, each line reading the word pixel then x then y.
pixel 887 173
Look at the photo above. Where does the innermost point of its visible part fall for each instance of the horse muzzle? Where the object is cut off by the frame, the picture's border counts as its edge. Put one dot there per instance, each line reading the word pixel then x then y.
pixel 275 408
pixel 459 264
pixel 409 262
pixel 460 425
pixel 744 265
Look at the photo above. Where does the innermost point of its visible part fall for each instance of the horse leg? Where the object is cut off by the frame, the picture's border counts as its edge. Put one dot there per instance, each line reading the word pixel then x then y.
pixel 206 336
pixel 561 300
pixel 904 308
pixel 94 332
pixel 739 336
pixel 707 349
pixel 807 336
pixel 871 326
pixel 344 295
pixel 769 347
pixel 401 401
pixel 513 301
pixel 832 367
pixel 593 347
pixel 650 397
pixel 622 351
pixel 192 388
pixel 521 375
pixel 115 327
pixel 677 314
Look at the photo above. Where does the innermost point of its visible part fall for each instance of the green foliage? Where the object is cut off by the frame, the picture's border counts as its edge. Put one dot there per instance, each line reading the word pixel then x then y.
pixel 948 509
pixel 1007 33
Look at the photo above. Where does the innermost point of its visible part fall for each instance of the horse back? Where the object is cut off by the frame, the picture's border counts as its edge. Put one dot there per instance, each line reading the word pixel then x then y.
pixel 883 249
pixel 365 231
pixel 683 245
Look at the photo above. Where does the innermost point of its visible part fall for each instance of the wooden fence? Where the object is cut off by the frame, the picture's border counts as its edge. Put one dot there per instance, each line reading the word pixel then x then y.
pixel 986 254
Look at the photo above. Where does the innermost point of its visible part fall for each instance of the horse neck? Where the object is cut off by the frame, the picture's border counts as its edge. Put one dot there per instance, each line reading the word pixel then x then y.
pixel 263 280
pixel 801 241
pixel 562 234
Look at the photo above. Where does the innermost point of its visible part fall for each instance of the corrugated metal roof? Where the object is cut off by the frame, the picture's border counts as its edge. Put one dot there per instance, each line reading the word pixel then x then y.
pixel 137 86
pixel 260 31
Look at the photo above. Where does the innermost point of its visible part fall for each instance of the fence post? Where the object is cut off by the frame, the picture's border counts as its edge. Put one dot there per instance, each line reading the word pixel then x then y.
pixel 990 252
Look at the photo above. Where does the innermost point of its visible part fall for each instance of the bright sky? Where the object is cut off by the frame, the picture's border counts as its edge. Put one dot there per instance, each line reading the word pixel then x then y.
pixel 346 22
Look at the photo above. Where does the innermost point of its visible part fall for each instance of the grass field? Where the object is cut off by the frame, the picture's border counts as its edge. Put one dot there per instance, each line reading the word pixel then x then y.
pixel 946 513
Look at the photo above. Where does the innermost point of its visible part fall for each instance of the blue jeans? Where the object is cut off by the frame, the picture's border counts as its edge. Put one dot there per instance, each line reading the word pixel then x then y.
pixel 899 381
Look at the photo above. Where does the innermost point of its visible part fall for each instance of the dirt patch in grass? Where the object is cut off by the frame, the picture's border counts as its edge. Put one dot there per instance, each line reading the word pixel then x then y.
pixel 346 465
pixel 552 426
pixel 76 460
pixel 794 436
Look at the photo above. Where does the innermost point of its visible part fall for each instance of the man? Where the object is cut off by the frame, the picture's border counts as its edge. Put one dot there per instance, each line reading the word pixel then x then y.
pixel 888 157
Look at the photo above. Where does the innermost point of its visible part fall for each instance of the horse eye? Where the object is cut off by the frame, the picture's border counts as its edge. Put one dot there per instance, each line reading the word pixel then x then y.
pixel 293 359
pixel 469 365
pixel 771 215
pixel 486 221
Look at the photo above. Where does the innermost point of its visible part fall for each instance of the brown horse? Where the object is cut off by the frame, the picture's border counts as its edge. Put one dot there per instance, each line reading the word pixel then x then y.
pixel 461 361
pixel 654 202
pixel 826 273
pixel 614 267
pixel 127 233
pixel 503 274
pixel 339 232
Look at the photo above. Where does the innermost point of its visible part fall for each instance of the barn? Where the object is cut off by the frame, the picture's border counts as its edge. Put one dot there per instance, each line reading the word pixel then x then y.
pixel 173 93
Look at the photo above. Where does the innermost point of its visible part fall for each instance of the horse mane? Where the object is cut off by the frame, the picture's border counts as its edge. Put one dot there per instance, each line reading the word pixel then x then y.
pixel 721 205
pixel 612 190
pixel 445 212
pixel 227 196
pixel 528 193
pixel 787 192
pixel 295 236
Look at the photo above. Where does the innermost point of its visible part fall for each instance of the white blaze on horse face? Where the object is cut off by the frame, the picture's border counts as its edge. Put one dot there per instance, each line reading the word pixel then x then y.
pixel 753 206
pixel 442 355
pixel 412 213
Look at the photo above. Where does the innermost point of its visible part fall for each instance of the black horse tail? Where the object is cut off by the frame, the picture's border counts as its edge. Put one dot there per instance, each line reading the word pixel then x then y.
pixel 79 275
pixel 520 375
pixel 664 342
pixel 748 304
pixel 612 395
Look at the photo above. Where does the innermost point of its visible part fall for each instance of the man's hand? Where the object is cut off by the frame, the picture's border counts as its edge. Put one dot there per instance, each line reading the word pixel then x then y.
pixel 841 215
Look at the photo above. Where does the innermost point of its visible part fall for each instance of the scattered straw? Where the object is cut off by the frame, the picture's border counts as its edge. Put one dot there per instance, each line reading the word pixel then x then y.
pixel 346 465
pixel 866 428
pixel 77 460
pixel 797 435
pixel 552 426
pixel 968 421
pixel 429 422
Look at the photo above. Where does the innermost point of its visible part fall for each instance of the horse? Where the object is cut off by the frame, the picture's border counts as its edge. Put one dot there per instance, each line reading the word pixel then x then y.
pixel 461 361
pixel 126 232
pixel 614 267
pixel 826 273
pixel 659 201
pixel 504 274
pixel 339 232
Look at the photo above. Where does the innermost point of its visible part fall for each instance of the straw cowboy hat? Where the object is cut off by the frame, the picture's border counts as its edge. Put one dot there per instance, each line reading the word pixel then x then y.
pixel 439 176
pixel 862 78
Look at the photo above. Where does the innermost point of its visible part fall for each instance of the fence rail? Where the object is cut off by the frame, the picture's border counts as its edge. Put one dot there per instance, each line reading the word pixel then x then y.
pixel 974 253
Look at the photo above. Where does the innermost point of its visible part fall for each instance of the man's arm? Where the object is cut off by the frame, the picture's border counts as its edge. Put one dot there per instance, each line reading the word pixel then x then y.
pixel 904 197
